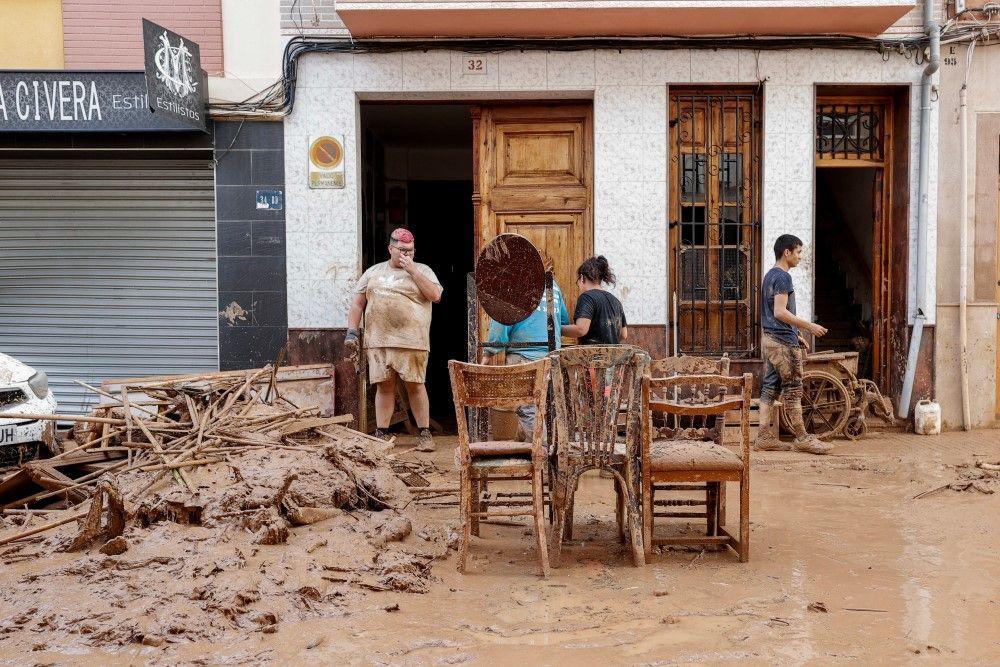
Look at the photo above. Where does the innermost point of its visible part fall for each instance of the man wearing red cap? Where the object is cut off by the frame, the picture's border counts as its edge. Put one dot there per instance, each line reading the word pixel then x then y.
pixel 395 298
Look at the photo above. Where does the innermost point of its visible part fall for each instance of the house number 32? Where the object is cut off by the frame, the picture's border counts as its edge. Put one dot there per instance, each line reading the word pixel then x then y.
pixel 475 66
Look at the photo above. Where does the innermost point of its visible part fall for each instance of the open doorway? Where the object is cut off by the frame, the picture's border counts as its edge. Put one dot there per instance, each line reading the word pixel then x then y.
pixel 417 173
pixel 846 209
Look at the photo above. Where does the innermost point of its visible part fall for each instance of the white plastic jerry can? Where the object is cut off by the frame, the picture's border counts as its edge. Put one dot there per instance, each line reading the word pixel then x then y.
pixel 927 418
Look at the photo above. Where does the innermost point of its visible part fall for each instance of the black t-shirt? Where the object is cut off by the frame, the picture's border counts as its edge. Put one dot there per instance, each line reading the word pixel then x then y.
pixel 777 281
pixel 606 315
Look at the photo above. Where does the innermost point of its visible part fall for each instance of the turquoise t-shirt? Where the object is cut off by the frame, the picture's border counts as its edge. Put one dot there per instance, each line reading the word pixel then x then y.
pixel 530 330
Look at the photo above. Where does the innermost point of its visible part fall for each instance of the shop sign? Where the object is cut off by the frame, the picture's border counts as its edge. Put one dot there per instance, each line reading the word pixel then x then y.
pixel 326 162
pixel 78 102
pixel 174 81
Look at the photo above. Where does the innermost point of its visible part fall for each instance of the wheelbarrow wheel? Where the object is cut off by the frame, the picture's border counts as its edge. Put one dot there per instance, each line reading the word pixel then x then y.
pixel 826 405
pixel 856 428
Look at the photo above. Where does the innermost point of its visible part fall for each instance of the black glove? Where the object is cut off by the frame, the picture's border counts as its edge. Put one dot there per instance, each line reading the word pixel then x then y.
pixel 351 343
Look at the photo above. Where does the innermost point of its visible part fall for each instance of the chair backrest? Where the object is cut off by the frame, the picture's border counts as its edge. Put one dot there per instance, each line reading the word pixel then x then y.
pixel 499 387
pixel 689 365
pixel 591 386
pixel 695 396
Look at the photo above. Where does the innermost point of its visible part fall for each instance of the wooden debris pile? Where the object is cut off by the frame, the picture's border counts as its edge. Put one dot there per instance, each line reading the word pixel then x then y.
pixel 207 506
pixel 160 428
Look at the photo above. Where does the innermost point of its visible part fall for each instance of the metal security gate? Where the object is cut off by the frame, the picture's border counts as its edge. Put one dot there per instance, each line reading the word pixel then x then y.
pixel 108 269
pixel 715 220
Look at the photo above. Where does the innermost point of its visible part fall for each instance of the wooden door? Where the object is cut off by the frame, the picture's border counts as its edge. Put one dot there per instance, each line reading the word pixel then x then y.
pixel 715 219
pixel 534 177
pixel 997 345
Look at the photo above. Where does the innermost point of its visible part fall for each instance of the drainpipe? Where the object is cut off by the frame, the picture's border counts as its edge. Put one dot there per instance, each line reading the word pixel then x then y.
pixel 963 253
pixel 923 170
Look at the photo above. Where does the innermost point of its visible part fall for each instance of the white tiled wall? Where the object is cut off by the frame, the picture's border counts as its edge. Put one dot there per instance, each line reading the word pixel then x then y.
pixel 629 89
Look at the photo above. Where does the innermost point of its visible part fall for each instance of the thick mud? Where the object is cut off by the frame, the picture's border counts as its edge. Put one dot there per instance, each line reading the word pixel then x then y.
pixel 846 566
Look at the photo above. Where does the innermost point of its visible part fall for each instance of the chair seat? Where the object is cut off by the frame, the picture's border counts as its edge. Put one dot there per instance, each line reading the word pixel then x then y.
pixel 499 448
pixel 675 455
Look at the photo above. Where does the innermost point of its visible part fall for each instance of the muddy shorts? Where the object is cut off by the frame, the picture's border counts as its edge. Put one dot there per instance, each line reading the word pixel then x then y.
pixel 410 365
pixel 782 370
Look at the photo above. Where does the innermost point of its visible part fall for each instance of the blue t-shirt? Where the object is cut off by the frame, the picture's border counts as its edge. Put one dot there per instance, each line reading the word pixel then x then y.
pixel 531 330
pixel 778 281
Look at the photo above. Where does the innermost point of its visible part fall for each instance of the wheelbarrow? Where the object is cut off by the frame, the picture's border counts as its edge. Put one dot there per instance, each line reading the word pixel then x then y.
pixel 834 400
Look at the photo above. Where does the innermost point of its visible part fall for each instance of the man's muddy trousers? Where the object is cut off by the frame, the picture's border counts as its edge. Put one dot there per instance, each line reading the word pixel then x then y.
pixel 783 374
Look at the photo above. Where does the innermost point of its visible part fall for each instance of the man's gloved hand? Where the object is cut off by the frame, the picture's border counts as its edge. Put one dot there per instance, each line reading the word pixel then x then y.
pixel 351 344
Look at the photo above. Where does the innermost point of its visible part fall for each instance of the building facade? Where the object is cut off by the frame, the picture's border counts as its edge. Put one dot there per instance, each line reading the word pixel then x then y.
pixel 125 237
pixel 582 127
pixel 974 176
pixel 680 164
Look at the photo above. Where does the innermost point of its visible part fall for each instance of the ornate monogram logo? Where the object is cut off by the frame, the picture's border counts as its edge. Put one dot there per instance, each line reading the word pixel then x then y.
pixel 173 67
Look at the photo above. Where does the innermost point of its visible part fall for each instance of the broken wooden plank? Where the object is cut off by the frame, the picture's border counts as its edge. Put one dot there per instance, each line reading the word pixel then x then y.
pixel 304 424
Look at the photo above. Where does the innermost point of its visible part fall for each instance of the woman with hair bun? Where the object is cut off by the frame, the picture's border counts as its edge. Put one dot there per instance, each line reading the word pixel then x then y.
pixel 599 318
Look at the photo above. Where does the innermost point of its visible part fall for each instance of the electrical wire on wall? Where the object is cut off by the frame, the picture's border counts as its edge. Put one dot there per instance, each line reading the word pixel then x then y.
pixel 279 97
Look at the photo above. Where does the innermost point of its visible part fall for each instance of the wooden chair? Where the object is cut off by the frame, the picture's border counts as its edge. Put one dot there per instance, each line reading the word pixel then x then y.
pixel 674 455
pixel 670 367
pixel 591 386
pixel 500 387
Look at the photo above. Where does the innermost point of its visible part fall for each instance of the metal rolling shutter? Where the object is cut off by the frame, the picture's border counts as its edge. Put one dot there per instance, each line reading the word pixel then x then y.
pixel 108 269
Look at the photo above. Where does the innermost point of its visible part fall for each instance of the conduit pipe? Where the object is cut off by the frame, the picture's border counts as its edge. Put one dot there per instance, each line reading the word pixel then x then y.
pixel 963 251
pixel 923 171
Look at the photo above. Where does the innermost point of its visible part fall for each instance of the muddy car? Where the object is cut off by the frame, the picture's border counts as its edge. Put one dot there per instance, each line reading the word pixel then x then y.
pixel 24 390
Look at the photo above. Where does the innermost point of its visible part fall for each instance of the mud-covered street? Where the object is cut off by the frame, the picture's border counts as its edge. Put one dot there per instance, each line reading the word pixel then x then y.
pixel 845 566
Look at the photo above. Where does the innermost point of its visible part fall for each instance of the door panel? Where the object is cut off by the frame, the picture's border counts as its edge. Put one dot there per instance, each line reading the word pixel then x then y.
pixel 555 234
pixel 534 177
pixel 715 219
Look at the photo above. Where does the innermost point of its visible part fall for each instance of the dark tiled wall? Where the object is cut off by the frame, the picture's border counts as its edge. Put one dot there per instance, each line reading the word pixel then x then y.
pixel 253 303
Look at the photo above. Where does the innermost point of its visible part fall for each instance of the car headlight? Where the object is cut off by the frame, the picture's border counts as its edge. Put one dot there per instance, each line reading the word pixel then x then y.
pixel 39 383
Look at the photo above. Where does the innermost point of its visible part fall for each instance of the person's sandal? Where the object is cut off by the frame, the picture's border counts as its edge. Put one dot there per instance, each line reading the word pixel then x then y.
pixel 425 443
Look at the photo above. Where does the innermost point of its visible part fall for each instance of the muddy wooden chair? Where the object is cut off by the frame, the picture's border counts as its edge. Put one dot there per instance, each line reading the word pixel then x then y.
pixel 591 386
pixel 675 507
pixel 674 454
pixel 500 387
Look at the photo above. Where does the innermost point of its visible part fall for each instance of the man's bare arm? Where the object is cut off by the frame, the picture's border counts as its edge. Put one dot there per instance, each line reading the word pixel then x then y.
pixel 430 290
pixel 782 313
pixel 357 310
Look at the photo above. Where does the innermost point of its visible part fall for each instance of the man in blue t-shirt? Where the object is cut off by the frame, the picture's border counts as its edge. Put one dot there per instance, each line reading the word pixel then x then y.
pixel 533 329
pixel 782 347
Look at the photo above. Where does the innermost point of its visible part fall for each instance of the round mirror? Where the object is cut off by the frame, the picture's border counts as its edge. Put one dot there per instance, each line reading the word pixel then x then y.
pixel 510 278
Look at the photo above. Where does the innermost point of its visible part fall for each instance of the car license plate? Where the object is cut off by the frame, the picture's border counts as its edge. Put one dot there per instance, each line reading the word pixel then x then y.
pixel 8 435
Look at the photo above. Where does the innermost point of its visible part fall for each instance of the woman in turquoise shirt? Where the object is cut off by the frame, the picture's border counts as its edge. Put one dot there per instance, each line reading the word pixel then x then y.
pixel 533 329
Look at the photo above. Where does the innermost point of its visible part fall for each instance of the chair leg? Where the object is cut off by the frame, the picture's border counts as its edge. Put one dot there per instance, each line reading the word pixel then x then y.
pixel 620 510
pixel 744 518
pixel 558 490
pixel 721 520
pixel 635 526
pixel 648 498
pixel 551 481
pixel 538 501
pixel 570 496
pixel 465 509
pixel 478 488
pixel 711 507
